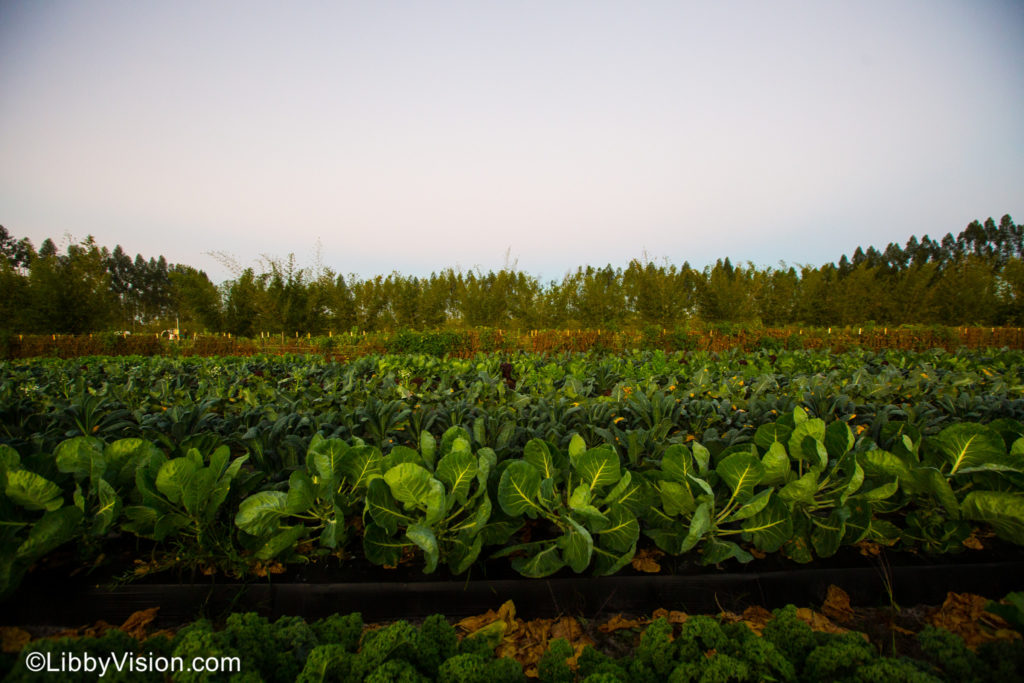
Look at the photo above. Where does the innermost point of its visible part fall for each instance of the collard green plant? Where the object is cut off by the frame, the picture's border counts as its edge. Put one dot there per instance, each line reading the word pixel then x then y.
pixel 179 499
pixel 319 500
pixel 439 507
pixel 34 519
pixel 584 502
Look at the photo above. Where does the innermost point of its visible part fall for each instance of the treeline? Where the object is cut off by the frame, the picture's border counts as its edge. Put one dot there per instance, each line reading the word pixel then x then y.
pixel 974 278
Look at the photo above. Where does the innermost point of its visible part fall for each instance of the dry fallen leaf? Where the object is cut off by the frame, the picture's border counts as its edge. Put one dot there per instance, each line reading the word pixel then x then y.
pixel 646 560
pixel 817 621
pixel 837 605
pixel 136 624
pixel 674 617
pixel 13 639
pixel 869 548
pixel 972 541
pixel 756 617
pixel 618 622
pixel 964 614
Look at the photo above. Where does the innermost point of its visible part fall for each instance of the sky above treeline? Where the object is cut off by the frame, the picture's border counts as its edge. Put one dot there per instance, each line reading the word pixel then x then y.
pixel 372 137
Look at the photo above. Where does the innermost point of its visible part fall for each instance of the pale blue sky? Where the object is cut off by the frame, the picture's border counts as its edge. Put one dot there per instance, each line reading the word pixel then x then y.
pixel 414 136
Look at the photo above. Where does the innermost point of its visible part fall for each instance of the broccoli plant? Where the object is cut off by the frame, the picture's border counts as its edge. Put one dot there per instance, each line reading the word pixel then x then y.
pixel 588 501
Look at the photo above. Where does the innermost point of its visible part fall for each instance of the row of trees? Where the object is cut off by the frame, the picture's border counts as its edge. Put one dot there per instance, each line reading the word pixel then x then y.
pixel 976 277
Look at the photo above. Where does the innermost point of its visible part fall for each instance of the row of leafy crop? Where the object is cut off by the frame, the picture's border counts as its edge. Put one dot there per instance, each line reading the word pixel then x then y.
pixel 338 648
pixel 642 403
pixel 801 487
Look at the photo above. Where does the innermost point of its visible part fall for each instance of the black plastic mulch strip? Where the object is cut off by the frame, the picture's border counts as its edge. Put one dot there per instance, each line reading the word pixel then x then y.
pixel 593 598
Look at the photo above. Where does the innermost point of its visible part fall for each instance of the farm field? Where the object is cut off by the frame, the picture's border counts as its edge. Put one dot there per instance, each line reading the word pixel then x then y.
pixel 274 468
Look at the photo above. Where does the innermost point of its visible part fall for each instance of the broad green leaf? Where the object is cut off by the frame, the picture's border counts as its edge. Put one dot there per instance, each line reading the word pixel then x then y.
pixel 145 478
pixel 635 493
pixel 827 534
pixel 702 484
pixel 518 488
pixel 716 551
pixel 333 533
pixel 537 454
pixel 620 489
pixel 769 434
pixel 223 486
pixel 457 470
pixel 881 492
pixel 593 518
pixel 544 563
pixel 139 520
pixel 854 480
pixel 741 472
pixel 399 455
pixel 598 467
pixel 577 447
pixel 972 447
pixel 622 531
pixel 479 431
pixel 580 496
pixel 577 546
pixel 301 493
pixel 879 464
pixel 701 456
pixel 437 501
pixel 381 548
pixel 33 492
pixel 327 457
pixel 219 460
pixel 260 514
pixel 382 507
pixel 800 490
pixel 933 481
pixel 81 456
pixel 361 464
pixel 676 499
pixel 53 529
pixel 9 458
pixel 1003 511
pixel 700 524
pixel 168 524
pixel 463 551
pixel 423 536
pixel 771 527
pixel 449 437
pixel 813 428
pixel 281 541
pixel 799 416
pixel 677 462
pixel 173 475
pixel 668 539
pixel 752 507
pixel 776 465
pixel 428 448
pixel 477 521
pixel 607 563
pixel 409 484
pixel 797 546
pixel 486 459
pixel 195 494
pixel 838 439
pixel 549 496
pixel 1011 430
